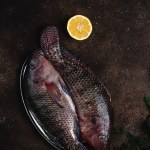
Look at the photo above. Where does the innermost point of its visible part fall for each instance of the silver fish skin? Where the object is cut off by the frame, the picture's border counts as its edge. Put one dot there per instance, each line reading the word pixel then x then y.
pixel 50 104
pixel 91 98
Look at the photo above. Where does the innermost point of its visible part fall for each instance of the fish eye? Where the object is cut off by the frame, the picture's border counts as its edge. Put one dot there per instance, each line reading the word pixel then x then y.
pixel 32 66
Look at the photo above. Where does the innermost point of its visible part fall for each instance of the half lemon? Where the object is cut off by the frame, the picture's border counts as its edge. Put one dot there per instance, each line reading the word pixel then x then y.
pixel 79 27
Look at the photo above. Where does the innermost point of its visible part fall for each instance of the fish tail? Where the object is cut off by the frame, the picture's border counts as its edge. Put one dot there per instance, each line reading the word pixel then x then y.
pixel 49 42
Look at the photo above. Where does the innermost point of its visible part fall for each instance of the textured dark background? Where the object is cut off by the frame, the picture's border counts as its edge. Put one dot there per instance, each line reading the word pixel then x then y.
pixel 118 51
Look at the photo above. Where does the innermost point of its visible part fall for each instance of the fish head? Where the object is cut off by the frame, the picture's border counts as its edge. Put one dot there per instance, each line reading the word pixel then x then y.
pixel 36 68
pixel 41 70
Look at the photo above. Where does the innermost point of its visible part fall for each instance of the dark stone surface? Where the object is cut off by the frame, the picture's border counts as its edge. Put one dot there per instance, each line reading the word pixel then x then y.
pixel 118 51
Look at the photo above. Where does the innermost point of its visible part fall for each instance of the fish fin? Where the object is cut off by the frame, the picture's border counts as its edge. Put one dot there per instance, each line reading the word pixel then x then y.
pixel 72 58
pixel 57 100
pixel 64 87
pixel 54 93
pixel 49 42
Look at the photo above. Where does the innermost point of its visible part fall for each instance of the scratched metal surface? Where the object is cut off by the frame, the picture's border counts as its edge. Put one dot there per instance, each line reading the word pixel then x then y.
pixel 118 51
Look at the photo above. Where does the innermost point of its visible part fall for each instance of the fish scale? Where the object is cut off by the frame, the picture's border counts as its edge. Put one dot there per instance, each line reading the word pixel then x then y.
pixel 91 98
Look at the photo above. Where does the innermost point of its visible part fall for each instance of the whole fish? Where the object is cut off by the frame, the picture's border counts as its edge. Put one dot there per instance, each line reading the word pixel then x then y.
pixel 50 106
pixel 91 98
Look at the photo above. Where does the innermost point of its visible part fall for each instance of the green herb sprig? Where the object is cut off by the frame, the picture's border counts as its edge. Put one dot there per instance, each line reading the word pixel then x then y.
pixel 136 142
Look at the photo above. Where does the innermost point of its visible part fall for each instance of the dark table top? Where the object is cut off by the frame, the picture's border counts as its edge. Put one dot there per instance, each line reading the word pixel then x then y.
pixel 118 51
